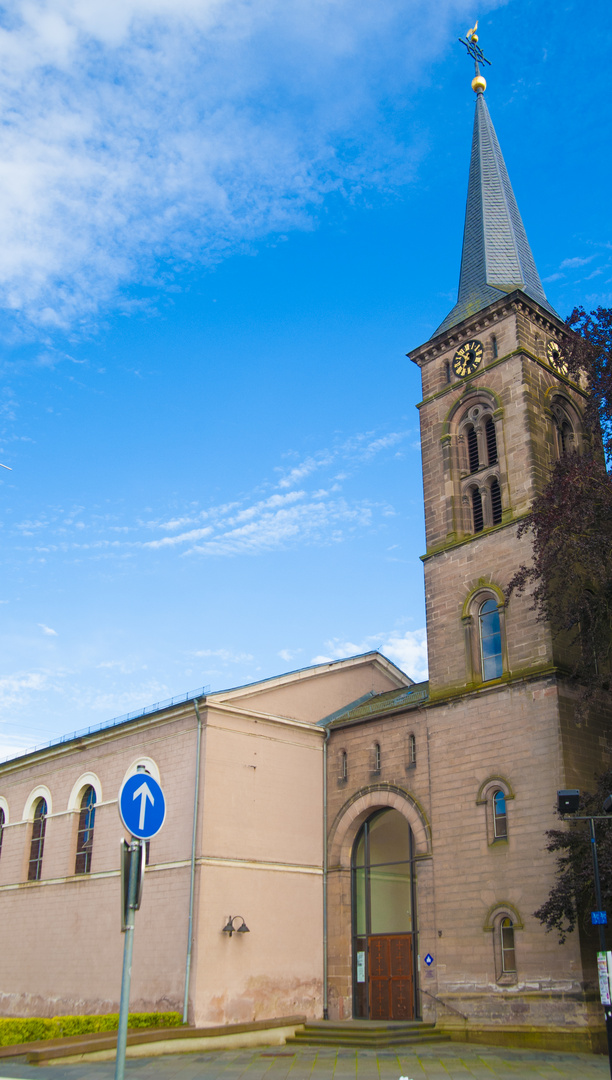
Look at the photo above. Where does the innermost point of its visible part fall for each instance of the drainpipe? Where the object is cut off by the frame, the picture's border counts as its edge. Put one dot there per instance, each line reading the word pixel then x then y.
pixel 193 860
pixel 325 1010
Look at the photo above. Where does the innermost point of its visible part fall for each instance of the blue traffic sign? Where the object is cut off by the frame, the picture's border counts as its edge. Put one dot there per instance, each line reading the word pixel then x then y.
pixel 142 806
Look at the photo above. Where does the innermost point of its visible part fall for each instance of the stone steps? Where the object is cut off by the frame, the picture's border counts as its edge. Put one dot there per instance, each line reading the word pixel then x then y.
pixel 366 1034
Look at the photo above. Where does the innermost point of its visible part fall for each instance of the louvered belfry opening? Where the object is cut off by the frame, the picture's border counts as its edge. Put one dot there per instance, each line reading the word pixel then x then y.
pixel 472 441
pixel 491 441
pixel 477 510
pixel 496 503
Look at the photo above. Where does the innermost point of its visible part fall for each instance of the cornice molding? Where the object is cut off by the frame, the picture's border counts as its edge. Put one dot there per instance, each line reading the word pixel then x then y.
pixel 516 302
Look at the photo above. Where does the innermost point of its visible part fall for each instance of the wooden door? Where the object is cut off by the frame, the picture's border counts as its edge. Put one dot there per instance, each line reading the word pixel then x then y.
pixel 391 977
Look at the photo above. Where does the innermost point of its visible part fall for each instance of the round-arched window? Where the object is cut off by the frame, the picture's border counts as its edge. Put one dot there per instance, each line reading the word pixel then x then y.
pixel 37 842
pixel 500 820
pixel 490 641
pixel 85 832
pixel 508 955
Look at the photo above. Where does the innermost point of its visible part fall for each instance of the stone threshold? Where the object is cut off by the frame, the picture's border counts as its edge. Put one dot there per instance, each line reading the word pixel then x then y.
pixel 152 1042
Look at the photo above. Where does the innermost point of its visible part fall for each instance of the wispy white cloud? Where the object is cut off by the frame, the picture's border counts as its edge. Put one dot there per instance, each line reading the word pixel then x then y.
pixel 226 655
pixel 573 264
pixel 12 687
pixel 254 523
pixel 47 630
pixel 180 538
pixel 182 129
pixel 316 521
pixel 407 650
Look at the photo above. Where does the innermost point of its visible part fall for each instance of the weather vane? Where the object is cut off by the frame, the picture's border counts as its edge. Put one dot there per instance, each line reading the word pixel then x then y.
pixel 471 43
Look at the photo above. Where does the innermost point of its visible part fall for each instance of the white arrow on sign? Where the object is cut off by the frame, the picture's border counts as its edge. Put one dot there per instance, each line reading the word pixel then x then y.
pixel 144 792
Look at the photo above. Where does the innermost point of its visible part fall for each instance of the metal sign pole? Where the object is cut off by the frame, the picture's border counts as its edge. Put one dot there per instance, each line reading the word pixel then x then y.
pixel 136 859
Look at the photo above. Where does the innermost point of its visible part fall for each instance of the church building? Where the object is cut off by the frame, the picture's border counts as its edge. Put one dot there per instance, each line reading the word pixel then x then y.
pixel 380 843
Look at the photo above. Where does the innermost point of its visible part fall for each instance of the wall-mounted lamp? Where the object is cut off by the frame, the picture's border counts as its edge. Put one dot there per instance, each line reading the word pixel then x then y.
pixel 230 929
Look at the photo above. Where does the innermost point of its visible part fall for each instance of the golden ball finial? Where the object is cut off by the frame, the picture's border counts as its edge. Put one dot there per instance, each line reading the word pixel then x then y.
pixel 479 84
pixel 474 37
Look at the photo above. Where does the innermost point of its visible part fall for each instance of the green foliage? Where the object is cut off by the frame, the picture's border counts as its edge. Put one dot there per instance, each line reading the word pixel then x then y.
pixel 570 521
pixel 14 1031
pixel 572 897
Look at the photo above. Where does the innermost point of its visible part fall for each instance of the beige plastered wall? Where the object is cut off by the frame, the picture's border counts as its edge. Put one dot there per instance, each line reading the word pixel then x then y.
pixel 60 937
pixel 260 857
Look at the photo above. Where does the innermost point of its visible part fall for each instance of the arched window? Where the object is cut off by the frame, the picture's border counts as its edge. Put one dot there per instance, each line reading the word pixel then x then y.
pixel 411 750
pixel 491 439
pixel 2 820
pixel 477 515
pixel 565 433
pixel 508 955
pixel 490 641
pixel 496 503
pixel 500 818
pixel 86 832
pixel 472 445
pixel 376 758
pixel 343 773
pixel 37 842
pixel 565 436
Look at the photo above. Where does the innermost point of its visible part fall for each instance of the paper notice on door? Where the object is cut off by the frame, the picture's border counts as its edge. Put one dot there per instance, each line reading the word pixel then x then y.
pixel 604 982
pixel 360 967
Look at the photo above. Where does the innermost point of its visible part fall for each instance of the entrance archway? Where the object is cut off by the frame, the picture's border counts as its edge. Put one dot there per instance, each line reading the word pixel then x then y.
pixel 383 906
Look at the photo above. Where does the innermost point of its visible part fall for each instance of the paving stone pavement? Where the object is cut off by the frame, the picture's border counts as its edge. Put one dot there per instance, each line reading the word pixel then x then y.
pixel 444 1061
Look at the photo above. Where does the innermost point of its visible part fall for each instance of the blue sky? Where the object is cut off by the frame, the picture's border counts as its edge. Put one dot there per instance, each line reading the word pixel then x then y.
pixel 222 226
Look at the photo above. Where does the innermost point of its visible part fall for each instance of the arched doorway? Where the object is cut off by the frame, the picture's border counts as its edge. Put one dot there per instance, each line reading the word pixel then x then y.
pixel 384 918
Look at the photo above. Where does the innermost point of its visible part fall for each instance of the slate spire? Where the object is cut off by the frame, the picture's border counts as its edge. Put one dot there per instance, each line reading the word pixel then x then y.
pixel 496 256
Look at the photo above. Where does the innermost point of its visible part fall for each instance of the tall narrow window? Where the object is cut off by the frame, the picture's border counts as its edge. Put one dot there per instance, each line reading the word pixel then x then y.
pixel 500 820
pixel 37 842
pixel 447 371
pixel 472 442
pixel 565 433
pixel 343 775
pixel 491 441
pixel 494 346
pixel 507 946
pixel 376 758
pixel 490 641
pixel 496 503
pixel 412 750
pixel 477 510
pixel 86 832
pixel 2 820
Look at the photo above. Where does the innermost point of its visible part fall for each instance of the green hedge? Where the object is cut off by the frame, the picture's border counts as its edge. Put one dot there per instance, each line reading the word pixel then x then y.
pixel 31 1029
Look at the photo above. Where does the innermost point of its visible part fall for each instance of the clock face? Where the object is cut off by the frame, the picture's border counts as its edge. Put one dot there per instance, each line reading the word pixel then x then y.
pixel 467 358
pixel 555 357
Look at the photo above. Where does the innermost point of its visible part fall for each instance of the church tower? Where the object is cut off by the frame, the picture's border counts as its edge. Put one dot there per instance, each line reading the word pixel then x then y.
pixel 498 408
pixel 439 795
